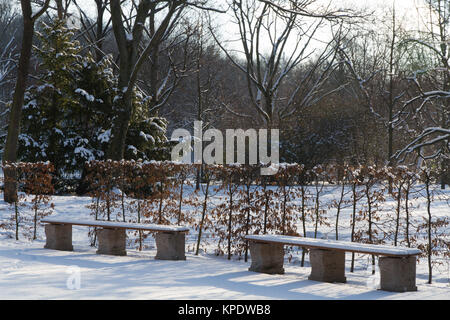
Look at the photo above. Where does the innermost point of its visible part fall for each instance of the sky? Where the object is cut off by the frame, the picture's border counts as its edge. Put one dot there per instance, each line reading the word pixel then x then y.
pixel 406 10
pixel 406 7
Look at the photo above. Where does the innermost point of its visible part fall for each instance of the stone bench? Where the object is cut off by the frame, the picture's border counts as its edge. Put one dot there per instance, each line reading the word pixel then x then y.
pixel 170 240
pixel 327 259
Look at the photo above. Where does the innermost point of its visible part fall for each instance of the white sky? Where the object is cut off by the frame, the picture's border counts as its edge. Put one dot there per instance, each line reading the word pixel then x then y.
pixel 403 7
pixel 406 10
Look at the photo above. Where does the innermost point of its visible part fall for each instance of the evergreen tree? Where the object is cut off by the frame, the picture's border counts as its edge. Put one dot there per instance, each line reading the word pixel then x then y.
pixel 47 134
pixel 146 137
pixel 68 112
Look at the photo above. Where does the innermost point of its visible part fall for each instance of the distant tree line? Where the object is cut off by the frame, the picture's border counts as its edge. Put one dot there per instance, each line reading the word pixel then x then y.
pixel 342 86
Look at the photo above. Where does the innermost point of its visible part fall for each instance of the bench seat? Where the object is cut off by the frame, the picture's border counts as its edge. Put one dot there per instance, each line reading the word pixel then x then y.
pixel 327 259
pixel 170 239
pixel 117 225
pixel 378 250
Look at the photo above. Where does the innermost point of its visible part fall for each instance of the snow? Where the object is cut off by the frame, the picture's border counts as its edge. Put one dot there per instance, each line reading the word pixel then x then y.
pixel 85 153
pixel 86 95
pixel 133 149
pixel 105 136
pixel 31 272
pixel 140 226
pixel 32 104
pixel 58 131
pixel 43 87
pixel 27 140
pixel 147 137
pixel 155 126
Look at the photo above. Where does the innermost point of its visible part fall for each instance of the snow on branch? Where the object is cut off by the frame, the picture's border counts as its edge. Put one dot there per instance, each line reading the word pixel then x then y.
pixel 7 64
pixel 426 138
pixel 300 9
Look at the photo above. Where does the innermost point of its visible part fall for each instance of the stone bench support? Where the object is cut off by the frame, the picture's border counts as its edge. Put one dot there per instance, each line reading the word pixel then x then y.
pixel 170 246
pixel 267 257
pixel 397 274
pixel 58 237
pixel 327 265
pixel 112 242
pixel 327 259
pixel 170 239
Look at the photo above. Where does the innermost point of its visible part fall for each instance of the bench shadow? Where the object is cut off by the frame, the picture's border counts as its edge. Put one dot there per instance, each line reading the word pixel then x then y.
pixel 439 280
pixel 140 271
pixel 76 257
pixel 286 287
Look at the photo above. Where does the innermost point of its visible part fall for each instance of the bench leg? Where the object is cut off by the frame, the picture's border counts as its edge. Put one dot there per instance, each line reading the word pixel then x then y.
pixel 170 246
pixel 267 257
pixel 58 237
pixel 397 274
pixel 112 242
pixel 327 265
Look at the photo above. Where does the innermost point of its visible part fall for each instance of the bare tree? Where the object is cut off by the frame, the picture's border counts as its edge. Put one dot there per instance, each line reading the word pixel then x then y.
pixel 7 63
pixel 10 150
pixel 8 19
pixel 377 64
pixel 433 141
pixel 131 32
pixel 62 8
pixel 263 23
pixel 8 43
pixel 95 31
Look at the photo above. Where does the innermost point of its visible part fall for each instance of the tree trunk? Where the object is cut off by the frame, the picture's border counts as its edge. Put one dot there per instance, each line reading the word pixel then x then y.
pixel 407 190
pixel 99 55
pixel 131 61
pixel 430 242
pixel 230 221
pixel 391 99
pixel 35 221
pixel 205 203
pixel 397 219
pixel 266 208
pixel 352 267
pixel 139 221
pixel 283 222
pixel 317 209
pixel 161 197
pixel 15 115
pixel 247 227
pixel 119 130
pixel 16 211
pixel 339 210
pixel 180 200
pixel 369 212
pixel 303 191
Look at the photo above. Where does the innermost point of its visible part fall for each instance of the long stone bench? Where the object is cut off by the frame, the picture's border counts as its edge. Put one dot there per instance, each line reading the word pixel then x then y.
pixel 170 240
pixel 327 259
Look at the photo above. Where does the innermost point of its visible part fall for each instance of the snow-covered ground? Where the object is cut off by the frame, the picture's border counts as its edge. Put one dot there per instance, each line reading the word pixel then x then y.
pixel 28 271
